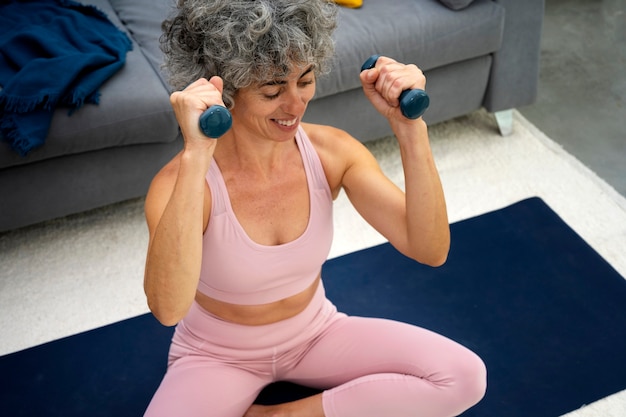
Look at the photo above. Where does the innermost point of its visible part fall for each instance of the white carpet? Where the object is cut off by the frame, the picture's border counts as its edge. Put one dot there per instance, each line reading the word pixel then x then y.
pixel 82 272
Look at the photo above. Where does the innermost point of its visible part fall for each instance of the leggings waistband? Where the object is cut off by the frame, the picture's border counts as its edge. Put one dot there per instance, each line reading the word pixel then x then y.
pixel 203 330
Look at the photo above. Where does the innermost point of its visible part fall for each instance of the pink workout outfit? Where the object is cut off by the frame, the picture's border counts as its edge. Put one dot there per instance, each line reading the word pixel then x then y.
pixel 366 366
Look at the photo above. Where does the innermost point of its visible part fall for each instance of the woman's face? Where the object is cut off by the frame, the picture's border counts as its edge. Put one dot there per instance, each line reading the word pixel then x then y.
pixel 274 109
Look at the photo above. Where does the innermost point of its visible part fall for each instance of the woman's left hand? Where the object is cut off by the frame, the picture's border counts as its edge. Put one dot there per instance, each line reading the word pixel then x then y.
pixel 384 83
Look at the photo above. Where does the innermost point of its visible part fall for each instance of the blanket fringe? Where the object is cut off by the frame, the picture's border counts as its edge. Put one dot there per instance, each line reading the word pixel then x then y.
pixel 74 99
pixel 21 104
pixel 11 134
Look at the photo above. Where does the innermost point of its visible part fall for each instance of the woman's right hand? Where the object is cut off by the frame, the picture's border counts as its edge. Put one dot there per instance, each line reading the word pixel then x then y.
pixel 190 103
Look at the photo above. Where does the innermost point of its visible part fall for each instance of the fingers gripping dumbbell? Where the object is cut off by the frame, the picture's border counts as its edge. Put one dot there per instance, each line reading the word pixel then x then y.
pixel 413 103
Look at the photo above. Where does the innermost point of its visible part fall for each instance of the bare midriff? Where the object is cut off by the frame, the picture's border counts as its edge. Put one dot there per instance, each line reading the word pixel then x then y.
pixel 261 314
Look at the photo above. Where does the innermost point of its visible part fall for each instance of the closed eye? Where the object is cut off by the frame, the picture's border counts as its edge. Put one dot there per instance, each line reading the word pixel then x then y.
pixel 301 84
pixel 271 96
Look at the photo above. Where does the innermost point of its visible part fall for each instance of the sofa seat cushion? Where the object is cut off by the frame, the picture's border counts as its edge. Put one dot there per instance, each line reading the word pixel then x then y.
pixel 134 109
pixel 424 32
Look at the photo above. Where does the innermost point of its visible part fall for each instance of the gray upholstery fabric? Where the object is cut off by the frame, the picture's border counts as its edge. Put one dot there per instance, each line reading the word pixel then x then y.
pixel 514 79
pixel 143 19
pixel 60 186
pixel 456 4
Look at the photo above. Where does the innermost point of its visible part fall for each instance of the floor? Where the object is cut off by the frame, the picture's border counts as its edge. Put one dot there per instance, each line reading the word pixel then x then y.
pixel 582 87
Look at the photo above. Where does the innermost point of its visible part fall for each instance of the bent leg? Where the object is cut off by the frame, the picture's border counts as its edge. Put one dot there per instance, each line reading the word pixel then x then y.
pixel 197 387
pixel 381 367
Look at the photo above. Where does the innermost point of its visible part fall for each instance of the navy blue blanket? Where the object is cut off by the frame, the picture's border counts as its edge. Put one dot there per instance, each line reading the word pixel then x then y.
pixel 52 53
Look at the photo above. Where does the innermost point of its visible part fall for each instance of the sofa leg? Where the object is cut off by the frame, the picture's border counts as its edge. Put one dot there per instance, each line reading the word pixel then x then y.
pixel 504 119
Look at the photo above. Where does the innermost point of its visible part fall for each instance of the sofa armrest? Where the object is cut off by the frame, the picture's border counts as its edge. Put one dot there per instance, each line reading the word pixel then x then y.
pixel 514 77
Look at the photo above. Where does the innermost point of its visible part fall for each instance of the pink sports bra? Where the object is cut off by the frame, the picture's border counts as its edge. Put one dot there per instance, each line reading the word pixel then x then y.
pixel 237 270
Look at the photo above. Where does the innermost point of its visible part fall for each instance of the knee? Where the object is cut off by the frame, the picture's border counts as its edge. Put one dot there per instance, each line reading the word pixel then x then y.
pixel 471 380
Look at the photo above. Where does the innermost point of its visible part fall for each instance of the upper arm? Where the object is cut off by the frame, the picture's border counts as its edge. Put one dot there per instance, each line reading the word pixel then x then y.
pixel 377 199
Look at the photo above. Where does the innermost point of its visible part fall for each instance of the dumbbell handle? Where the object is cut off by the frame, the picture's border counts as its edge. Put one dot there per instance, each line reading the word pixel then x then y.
pixel 215 121
pixel 413 103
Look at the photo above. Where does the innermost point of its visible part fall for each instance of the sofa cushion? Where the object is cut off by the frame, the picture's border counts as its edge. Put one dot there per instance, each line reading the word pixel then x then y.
pixel 142 19
pixel 456 4
pixel 422 32
pixel 134 109
pixel 425 33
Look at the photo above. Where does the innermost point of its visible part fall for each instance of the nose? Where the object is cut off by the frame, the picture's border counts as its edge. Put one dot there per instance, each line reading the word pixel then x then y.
pixel 295 101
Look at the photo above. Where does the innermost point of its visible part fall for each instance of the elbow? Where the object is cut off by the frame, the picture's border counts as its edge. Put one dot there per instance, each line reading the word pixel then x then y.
pixel 167 317
pixel 168 308
pixel 167 320
pixel 437 261
pixel 438 255
pixel 433 259
pixel 433 255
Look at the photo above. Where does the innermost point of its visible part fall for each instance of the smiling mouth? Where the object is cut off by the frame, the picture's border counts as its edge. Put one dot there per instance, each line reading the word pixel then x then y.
pixel 287 123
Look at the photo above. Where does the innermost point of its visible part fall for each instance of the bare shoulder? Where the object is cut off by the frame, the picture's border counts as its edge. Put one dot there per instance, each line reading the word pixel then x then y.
pixel 329 138
pixel 160 190
pixel 165 179
pixel 339 152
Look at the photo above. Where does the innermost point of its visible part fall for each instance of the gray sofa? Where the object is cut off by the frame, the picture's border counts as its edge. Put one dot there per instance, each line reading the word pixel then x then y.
pixel 483 55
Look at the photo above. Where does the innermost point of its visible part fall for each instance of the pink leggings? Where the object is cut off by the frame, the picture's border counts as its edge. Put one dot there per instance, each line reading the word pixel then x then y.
pixel 367 367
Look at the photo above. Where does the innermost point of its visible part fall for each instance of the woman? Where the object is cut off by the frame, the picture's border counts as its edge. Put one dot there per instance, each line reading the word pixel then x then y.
pixel 240 226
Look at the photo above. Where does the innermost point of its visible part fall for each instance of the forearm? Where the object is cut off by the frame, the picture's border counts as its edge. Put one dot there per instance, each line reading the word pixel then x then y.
pixel 428 232
pixel 175 253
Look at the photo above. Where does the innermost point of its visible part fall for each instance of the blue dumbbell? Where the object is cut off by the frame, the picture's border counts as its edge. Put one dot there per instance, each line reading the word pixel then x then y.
pixel 215 121
pixel 413 103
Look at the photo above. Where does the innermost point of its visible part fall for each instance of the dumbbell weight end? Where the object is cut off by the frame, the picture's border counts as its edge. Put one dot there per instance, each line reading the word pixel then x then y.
pixel 215 121
pixel 413 103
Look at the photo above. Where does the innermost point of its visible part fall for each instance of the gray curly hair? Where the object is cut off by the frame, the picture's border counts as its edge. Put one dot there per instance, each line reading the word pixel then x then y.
pixel 246 41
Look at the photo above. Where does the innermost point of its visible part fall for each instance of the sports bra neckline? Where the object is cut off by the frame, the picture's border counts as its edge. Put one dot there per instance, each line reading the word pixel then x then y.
pixel 231 212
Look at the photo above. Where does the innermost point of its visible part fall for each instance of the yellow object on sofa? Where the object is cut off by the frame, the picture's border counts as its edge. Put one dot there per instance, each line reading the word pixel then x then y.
pixel 350 3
